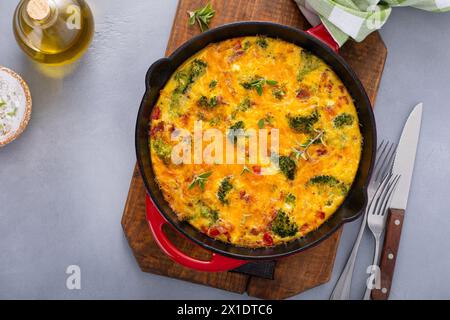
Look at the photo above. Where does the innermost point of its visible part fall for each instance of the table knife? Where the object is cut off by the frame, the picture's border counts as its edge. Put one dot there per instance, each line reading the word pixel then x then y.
pixel 404 166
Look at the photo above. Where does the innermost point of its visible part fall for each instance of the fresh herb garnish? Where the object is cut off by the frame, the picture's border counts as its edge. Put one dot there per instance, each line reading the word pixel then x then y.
pixel 245 170
pixel 2 103
pixel 261 123
pixel 224 188
pixel 202 16
pixel 268 119
pixel 200 180
pixel 303 152
pixel 12 113
pixel 344 119
pixel 257 84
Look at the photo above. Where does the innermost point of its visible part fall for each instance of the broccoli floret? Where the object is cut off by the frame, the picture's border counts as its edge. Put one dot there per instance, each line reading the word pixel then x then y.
pixel 207 212
pixel 208 103
pixel 214 215
pixel 290 199
pixel 323 180
pixel 162 149
pixel 244 105
pixel 198 67
pixel 344 119
pixel 330 181
pixel 288 167
pixel 343 188
pixel 213 84
pixel 213 102
pixel 238 125
pixel 224 188
pixel 203 101
pixel 279 93
pixel 283 226
pixel 233 132
pixel 185 78
pixel 262 42
pixel 303 124
pixel 182 79
pixel 309 63
pixel 215 121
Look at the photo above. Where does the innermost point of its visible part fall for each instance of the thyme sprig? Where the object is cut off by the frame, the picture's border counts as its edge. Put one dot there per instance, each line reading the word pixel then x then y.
pixel 245 170
pixel 257 84
pixel 200 180
pixel 202 16
pixel 303 152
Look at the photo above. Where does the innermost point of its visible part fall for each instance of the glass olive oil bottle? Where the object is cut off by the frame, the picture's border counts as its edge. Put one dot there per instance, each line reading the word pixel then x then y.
pixel 54 32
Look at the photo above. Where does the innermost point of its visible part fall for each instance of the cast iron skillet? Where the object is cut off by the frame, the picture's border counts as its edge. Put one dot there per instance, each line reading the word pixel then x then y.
pixel 226 256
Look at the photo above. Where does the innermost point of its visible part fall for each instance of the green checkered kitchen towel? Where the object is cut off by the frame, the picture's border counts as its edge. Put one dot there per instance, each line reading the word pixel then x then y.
pixel 358 18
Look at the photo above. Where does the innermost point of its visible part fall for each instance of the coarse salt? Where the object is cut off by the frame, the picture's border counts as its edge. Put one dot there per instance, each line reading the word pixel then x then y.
pixel 15 105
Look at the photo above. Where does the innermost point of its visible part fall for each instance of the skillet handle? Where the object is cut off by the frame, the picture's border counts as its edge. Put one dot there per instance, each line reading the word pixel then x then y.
pixel 321 33
pixel 158 73
pixel 217 263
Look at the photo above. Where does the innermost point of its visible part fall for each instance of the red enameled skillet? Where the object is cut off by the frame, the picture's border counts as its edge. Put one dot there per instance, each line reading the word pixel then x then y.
pixel 227 256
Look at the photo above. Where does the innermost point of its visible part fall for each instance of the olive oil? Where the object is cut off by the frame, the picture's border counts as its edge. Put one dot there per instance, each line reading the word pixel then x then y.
pixel 53 32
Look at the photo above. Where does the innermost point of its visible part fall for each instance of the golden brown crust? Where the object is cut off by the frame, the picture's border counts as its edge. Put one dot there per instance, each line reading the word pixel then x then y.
pixel 247 209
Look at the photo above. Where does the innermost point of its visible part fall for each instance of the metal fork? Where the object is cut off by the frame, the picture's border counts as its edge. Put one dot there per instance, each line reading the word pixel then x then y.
pixel 376 218
pixel 383 165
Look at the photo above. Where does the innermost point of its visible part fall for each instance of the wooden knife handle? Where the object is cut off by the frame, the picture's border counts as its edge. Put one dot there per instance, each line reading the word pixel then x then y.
pixel 394 226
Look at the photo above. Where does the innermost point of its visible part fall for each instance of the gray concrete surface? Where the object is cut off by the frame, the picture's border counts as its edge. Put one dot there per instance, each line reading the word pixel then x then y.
pixel 63 184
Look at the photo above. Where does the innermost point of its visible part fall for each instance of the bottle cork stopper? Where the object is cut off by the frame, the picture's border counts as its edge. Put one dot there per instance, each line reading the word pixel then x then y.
pixel 38 9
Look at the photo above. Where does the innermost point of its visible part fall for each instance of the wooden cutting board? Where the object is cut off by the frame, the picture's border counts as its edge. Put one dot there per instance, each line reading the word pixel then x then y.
pixel 293 274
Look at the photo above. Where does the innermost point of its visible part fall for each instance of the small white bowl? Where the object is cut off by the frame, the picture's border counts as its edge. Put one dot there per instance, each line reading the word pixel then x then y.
pixel 13 80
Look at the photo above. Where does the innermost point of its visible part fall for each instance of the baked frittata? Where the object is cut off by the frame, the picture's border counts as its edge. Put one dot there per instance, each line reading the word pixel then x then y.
pixel 258 83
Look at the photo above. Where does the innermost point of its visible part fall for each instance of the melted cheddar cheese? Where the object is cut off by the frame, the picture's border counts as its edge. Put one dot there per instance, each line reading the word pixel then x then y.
pixel 258 83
